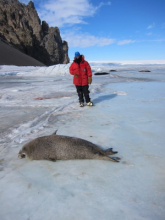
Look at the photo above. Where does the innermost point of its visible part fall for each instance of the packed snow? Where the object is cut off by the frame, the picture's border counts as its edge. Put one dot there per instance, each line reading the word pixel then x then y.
pixel 128 115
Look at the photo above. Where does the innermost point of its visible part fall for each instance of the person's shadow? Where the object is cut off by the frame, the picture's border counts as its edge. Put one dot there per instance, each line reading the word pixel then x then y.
pixel 104 97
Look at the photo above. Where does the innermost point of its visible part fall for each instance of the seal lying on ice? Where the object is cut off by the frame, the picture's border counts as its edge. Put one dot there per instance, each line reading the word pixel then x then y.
pixel 58 147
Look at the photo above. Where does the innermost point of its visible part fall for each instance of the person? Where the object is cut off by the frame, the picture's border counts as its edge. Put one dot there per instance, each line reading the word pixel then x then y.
pixel 82 73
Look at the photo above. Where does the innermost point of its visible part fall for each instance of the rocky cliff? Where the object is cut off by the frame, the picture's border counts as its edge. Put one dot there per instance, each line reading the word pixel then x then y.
pixel 20 26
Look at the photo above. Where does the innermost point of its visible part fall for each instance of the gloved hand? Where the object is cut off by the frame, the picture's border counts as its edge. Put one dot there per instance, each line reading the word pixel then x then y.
pixel 75 75
pixel 89 80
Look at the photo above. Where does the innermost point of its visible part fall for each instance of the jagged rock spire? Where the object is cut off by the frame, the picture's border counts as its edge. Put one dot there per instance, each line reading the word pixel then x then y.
pixel 21 26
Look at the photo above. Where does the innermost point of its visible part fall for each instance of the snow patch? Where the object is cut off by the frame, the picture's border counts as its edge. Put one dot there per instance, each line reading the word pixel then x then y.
pixel 120 93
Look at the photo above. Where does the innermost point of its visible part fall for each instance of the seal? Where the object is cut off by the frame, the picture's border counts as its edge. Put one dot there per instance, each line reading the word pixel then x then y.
pixel 59 147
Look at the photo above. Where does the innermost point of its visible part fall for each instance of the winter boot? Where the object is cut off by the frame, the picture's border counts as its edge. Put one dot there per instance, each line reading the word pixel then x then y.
pixel 90 104
pixel 81 104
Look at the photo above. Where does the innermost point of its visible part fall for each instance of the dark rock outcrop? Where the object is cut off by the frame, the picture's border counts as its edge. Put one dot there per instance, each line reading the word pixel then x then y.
pixel 101 73
pixel 145 71
pixel 112 70
pixel 20 26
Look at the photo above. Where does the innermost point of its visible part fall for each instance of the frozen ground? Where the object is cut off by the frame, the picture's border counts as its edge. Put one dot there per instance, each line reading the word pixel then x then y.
pixel 129 115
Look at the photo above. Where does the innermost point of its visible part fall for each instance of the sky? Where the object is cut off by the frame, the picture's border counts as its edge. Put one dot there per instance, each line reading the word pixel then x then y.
pixel 105 30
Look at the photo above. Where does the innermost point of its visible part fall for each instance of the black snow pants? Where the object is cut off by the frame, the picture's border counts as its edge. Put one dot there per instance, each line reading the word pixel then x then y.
pixel 83 91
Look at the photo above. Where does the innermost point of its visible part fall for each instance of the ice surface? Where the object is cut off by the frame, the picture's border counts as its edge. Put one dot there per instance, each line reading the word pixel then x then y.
pixel 128 115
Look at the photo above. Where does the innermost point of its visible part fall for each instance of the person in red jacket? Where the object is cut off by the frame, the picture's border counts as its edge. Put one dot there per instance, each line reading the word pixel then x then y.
pixel 81 70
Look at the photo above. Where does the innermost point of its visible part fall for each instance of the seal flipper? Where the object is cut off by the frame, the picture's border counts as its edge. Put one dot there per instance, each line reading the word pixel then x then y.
pixel 54 133
pixel 52 159
pixel 110 151
pixel 114 159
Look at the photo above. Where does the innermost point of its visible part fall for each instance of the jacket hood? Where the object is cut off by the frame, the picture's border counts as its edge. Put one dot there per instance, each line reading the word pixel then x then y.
pixel 82 58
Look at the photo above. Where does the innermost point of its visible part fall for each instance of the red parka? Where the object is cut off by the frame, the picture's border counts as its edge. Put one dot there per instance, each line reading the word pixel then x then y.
pixel 83 70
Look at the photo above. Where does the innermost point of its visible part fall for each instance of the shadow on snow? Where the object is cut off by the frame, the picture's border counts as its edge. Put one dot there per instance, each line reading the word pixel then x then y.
pixel 104 97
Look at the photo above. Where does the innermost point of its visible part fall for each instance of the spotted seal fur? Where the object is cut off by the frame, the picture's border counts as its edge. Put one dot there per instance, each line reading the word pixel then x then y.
pixel 59 147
